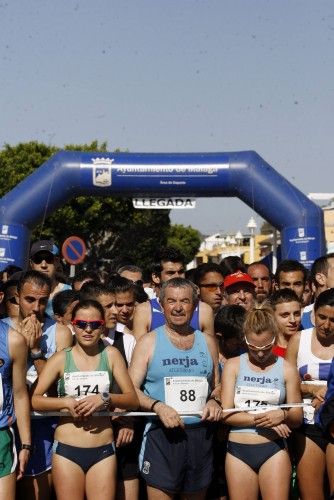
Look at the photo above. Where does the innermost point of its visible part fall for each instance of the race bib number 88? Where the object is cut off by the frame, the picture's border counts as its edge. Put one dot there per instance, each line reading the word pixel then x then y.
pixel 186 394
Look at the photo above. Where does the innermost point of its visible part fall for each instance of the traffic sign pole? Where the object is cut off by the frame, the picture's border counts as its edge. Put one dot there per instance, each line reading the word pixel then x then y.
pixel 72 271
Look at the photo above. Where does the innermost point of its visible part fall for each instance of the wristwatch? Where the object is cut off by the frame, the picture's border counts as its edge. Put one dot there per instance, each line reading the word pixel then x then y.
pixel 105 396
pixel 37 355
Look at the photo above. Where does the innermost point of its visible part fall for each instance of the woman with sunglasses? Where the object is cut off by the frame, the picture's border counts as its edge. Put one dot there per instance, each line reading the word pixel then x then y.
pixel 257 457
pixel 312 351
pixel 84 461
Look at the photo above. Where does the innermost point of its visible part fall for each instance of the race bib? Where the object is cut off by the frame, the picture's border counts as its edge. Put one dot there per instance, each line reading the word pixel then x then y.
pixel 309 410
pixel 256 396
pixel 82 384
pixel 31 378
pixel 186 394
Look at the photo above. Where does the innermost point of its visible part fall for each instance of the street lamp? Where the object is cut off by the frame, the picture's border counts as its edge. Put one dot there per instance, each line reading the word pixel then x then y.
pixel 239 239
pixel 251 226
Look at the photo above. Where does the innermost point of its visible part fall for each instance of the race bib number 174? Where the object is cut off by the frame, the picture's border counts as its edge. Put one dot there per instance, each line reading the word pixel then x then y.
pixel 82 384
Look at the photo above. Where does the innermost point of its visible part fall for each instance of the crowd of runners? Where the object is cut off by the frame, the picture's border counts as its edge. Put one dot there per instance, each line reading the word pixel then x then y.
pixel 210 383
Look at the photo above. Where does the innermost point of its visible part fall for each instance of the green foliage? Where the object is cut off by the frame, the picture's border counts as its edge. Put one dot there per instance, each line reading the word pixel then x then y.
pixel 186 239
pixel 266 228
pixel 17 162
pixel 110 227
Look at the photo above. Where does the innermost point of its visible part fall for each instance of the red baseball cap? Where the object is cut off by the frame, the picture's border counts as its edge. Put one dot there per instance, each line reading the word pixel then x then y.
pixel 238 277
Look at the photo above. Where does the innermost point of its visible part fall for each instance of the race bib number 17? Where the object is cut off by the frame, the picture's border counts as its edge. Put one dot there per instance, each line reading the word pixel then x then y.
pixel 256 396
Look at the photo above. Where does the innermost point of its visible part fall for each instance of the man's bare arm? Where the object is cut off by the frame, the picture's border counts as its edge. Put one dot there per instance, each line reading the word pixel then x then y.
pixel 64 337
pixel 18 352
pixel 142 320
pixel 206 318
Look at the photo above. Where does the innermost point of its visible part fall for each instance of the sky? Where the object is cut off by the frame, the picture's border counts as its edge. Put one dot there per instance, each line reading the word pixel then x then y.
pixel 176 76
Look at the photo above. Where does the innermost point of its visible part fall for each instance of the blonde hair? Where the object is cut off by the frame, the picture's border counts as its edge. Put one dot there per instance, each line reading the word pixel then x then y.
pixel 261 318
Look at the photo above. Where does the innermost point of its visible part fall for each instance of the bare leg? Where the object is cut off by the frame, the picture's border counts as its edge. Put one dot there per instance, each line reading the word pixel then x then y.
pixel 101 480
pixel 128 489
pixel 198 495
pixel 330 465
pixel 155 494
pixel 274 477
pixel 310 468
pixel 7 487
pixel 68 479
pixel 35 487
pixel 242 481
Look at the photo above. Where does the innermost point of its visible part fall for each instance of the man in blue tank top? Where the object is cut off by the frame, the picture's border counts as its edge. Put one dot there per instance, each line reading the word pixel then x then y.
pixel 43 338
pixel 175 372
pixel 14 406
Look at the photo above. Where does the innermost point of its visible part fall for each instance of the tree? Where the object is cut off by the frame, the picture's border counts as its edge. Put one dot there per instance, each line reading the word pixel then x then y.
pixel 110 227
pixel 186 239
pixel 266 228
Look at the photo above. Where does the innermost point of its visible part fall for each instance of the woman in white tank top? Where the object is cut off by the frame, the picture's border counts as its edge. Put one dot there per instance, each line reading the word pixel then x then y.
pixel 312 351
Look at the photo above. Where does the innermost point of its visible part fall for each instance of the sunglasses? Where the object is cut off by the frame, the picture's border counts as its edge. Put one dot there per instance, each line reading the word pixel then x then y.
pixel 38 259
pixel 82 324
pixel 262 347
pixel 212 287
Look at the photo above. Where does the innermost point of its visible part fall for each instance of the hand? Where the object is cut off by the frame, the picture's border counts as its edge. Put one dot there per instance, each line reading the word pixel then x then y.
pixel 124 430
pixel 36 334
pixel 71 404
pixel 24 456
pixel 282 430
pixel 312 390
pixel 318 397
pixel 212 411
pixel 31 329
pixel 26 329
pixel 269 419
pixel 124 436
pixel 320 393
pixel 168 416
pixel 88 405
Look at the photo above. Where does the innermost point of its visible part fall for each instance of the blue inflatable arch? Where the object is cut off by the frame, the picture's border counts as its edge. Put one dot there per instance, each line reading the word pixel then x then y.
pixel 240 174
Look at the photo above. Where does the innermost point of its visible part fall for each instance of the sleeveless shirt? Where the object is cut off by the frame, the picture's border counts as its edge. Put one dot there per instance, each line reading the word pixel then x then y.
pixel 7 413
pixel 309 364
pixel 180 378
pixel 253 388
pixel 78 384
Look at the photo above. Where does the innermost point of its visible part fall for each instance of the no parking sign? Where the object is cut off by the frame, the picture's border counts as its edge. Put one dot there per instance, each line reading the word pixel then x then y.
pixel 74 250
